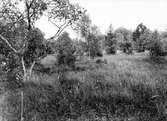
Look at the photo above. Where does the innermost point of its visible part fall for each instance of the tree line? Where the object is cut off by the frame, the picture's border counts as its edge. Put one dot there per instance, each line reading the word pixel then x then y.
pixel 23 45
pixel 139 40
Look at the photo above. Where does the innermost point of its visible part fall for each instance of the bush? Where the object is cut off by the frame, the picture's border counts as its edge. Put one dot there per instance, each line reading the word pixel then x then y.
pixel 155 49
pixel 66 59
pixel 100 61
pixel 127 48
pixel 99 54
pixel 111 50
pixel 69 98
pixel 65 50
pixel 156 45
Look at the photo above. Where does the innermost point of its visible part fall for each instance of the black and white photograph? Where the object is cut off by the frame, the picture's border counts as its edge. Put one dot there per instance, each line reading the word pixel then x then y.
pixel 83 60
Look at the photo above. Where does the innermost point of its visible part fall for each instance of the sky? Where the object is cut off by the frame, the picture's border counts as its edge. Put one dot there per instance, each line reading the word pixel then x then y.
pixel 119 13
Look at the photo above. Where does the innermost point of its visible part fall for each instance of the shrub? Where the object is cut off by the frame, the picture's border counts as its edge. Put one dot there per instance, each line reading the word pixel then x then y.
pixel 155 49
pixel 127 48
pixel 66 59
pixel 99 54
pixel 156 45
pixel 99 61
pixel 111 50
pixel 65 50
pixel 94 46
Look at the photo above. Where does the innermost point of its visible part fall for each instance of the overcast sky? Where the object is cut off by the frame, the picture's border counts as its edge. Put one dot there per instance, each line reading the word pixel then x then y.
pixel 119 13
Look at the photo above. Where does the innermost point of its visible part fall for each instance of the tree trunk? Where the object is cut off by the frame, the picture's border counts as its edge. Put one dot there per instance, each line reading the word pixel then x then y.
pixel 22 93
pixel 28 14
pixel 24 69
pixel 31 68
pixel 22 106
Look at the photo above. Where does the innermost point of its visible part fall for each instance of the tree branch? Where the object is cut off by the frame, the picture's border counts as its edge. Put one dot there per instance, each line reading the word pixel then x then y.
pixel 7 42
pixel 31 68
pixel 31 3
pixel 61 28
pixel 54 23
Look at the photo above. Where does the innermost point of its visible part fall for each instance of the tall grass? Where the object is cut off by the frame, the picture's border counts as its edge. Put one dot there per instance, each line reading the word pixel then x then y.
pixel 128 88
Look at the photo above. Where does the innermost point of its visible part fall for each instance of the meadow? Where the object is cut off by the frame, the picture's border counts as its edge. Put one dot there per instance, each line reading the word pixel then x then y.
pixel 124 88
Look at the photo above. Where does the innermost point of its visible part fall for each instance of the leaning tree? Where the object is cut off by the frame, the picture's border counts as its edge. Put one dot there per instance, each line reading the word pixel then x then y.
pixel 59 12
pixel 22 44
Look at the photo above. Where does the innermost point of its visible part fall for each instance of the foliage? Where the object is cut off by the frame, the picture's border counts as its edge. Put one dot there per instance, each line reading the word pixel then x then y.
pixel 145 40
pixel 127 47
pixel 140 37
pixel 23 44
pixel 139 31
pixel 164 45
pixel 33 10
pixel 22 23
pixel 84 26
pixel 49 47
pixel 156 45
pixel 94 48
pixel 129 87
pixel 110 50
pixel 95 42
pixel 119 87
pixel 110 43
pixel 10 58
pixel 64 47
pixel 91 34
pixel 35 47
pixel 62 14
pixel 163 34
pixel 80 48
pixel 19 34
pixel 124 39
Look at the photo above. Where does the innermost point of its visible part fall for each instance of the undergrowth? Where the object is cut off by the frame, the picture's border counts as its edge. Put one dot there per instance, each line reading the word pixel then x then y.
pixel 115 92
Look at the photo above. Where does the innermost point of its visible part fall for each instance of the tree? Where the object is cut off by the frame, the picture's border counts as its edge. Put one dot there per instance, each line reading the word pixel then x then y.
pixel 36 47
pixel 155 46
pixel 145 39
pixel 96 43
pixel 62 14
pixel 110 41
pixel 139 41
pixel 22 24
pixel 92 35
pixel 94 46
pixel 83 26
pixel 124 39
pixel 65 49
pixel 58 11
pixel 29 45
pixel 80 48
pixel 19 37
pixel 110 29
pixel 163 34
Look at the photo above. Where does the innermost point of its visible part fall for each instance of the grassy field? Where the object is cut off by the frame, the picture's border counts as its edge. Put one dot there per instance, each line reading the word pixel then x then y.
pixel 127 88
